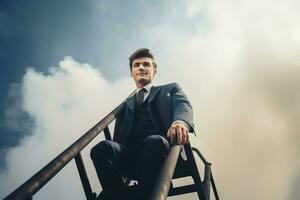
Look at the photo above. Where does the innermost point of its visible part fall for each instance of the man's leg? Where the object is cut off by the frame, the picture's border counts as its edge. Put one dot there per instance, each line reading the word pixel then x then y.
pixel 154 149
pixel 110 160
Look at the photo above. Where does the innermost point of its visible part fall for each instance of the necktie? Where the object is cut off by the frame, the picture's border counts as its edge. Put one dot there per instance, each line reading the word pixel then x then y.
pixel 140 96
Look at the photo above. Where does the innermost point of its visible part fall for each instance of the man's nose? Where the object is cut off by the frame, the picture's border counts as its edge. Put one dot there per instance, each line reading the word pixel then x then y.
pixel 141 66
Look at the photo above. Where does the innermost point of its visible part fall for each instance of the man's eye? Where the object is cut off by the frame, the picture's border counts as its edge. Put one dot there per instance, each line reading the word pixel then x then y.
pixel 146 64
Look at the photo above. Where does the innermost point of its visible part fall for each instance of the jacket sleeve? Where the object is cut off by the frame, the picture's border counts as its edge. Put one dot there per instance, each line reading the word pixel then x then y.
pixel 182 107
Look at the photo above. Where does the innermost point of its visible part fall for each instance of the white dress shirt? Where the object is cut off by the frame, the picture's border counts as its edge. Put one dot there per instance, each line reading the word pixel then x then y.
pixel 147 92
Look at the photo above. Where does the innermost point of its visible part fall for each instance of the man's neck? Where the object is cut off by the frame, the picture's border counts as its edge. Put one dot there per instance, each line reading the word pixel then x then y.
pixel 147 86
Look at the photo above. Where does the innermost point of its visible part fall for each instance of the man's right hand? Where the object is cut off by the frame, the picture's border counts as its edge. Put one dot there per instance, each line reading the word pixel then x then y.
pixel 178 133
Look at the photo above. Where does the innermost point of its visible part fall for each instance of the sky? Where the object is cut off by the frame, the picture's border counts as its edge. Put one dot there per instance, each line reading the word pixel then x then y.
pixel 64 66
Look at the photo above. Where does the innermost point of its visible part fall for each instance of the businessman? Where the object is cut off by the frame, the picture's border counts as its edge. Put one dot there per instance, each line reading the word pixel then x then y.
pixel 152 119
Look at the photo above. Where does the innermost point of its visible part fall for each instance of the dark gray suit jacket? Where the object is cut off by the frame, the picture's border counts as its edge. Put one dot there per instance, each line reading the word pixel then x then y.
pixel 166 103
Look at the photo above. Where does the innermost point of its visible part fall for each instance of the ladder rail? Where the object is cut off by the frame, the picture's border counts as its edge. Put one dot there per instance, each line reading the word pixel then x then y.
pixel 208 176
pixel 43 176
pixel 162 186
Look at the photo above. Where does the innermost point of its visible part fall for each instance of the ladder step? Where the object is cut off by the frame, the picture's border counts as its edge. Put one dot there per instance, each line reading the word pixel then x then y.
pixel 183 190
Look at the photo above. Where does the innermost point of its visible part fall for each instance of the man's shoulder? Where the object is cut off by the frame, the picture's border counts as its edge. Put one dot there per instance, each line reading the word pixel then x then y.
pixel 170 86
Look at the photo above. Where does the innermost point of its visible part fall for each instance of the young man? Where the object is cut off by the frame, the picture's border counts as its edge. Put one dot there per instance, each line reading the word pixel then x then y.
pixel 151 119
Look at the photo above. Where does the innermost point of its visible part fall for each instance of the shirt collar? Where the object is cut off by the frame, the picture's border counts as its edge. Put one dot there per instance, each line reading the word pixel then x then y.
pixel 147 87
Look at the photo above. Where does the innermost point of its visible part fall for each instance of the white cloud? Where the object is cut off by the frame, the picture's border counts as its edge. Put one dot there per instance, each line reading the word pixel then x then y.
pixel 194 7
pixel 242 75
pixel 64 103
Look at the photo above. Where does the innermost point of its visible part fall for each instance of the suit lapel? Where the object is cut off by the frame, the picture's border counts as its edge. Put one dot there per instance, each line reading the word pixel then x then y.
pixel 128 118
pixel 153 92
pixel 151 107
pixel 131 102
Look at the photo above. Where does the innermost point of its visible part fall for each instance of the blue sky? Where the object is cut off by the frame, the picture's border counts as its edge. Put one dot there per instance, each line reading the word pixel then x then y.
pixel 31 35
pixel 238 62
pixel 38 34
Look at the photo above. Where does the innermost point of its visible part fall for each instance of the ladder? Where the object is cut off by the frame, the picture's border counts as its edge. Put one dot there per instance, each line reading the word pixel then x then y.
pixel 172 168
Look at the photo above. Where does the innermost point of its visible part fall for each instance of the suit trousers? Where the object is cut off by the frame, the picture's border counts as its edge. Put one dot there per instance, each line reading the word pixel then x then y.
pixel 114 162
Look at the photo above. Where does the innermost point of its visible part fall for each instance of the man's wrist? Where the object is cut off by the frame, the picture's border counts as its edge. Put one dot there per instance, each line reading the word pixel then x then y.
pixel 183 123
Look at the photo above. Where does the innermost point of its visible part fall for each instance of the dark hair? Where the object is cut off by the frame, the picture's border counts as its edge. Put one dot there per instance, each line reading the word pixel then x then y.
pixel 140 53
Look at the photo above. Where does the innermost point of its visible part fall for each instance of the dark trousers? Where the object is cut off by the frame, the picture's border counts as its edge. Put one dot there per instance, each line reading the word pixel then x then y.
pixel 142 162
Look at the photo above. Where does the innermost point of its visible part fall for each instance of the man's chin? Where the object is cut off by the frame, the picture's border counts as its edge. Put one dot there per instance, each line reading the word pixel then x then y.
pixel 144 81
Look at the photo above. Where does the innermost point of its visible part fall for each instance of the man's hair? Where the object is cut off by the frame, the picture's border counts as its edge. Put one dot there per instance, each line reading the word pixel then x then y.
pixel 140 53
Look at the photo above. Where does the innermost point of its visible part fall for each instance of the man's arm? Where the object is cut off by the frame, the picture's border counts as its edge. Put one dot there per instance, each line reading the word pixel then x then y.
pixel 182 119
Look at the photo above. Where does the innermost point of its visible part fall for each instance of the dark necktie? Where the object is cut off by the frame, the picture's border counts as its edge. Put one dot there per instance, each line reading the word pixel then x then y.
pixel 140 96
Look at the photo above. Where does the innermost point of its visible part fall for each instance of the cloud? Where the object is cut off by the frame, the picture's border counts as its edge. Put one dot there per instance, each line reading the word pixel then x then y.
pixel 242 76
pixel 238 62
pixel 64 103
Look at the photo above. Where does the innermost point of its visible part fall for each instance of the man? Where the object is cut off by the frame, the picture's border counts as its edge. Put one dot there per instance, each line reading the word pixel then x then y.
pixel 151 119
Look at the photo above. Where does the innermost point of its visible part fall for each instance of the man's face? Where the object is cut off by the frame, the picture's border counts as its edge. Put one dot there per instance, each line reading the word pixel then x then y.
pixel 142 71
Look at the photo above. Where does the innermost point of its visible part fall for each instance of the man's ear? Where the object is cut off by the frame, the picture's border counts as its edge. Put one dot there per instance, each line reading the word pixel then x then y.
pixel 130 71
pixel 155 70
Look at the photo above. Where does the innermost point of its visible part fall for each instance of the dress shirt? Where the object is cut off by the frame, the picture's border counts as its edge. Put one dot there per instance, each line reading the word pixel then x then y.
pixel 147 92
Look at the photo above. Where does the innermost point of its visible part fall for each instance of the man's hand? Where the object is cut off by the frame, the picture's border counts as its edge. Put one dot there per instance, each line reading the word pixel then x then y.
pixel 178 132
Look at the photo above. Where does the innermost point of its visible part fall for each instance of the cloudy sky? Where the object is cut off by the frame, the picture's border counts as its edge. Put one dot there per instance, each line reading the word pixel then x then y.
pixel 64 66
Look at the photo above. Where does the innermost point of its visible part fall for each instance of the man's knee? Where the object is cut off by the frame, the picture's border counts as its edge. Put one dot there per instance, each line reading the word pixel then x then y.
pixel 101 149
pixel 156 143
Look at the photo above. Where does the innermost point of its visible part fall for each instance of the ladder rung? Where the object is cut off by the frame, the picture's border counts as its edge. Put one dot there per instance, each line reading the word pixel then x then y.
pixel 183 190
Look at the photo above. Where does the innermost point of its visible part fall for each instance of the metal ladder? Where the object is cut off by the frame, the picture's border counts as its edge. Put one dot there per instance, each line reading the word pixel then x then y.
pixel 163 186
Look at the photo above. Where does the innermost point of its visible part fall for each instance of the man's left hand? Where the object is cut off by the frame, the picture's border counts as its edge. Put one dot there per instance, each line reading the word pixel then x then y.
pixel 178 133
